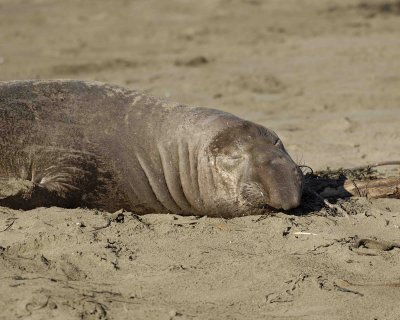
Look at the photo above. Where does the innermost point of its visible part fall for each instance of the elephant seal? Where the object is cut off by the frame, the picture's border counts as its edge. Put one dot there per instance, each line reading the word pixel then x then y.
pixel 87 144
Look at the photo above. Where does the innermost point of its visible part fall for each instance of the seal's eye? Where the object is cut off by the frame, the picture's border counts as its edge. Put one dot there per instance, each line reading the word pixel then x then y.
pixel 229 161
pixel 235 156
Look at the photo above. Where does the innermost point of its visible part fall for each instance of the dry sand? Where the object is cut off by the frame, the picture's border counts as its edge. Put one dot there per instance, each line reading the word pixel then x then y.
pixel 325 75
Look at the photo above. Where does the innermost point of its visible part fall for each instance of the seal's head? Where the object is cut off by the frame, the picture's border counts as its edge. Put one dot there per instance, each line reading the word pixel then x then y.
pixel 252 172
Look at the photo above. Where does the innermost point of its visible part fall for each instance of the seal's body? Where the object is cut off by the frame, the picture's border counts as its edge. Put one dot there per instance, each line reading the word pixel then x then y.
pixel 99 146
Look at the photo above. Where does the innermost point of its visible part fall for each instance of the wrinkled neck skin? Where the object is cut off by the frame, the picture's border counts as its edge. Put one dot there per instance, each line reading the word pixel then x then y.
pixel 202 188
pixel 167 151
pixel 194 180
pixel 220 190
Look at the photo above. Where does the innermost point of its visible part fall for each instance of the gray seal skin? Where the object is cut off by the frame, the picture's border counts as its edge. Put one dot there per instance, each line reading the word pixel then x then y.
pixel 87 144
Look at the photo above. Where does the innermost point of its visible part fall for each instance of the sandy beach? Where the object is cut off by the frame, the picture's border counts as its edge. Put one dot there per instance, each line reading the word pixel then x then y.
pixel 323 74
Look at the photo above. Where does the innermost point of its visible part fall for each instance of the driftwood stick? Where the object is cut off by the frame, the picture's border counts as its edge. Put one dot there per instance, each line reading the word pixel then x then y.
pixel 377 188
pixel 377 164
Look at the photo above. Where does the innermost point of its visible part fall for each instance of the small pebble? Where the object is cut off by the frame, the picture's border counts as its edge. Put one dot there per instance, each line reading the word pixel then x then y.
pixel 120 218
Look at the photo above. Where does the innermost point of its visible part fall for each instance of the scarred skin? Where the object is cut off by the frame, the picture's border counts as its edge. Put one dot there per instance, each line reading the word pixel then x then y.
pixel 93 145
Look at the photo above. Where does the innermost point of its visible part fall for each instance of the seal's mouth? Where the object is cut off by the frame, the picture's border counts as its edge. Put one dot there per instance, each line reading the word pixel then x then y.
pixel 255 197
pixel 263 207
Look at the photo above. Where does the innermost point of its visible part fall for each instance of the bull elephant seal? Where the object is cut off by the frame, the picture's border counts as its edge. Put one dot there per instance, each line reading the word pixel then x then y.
pixel 76 143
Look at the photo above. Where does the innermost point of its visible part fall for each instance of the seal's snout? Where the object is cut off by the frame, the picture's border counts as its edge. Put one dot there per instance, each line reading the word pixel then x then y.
pixel 285 186
pixel 280 179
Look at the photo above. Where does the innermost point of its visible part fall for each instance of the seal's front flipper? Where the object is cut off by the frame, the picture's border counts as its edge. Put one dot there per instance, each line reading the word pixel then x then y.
pixel 14 187
pixel 26 195
pixel 44 176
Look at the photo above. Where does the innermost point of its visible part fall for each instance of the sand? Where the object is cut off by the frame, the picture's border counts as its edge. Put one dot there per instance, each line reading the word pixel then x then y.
pixel 323 74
